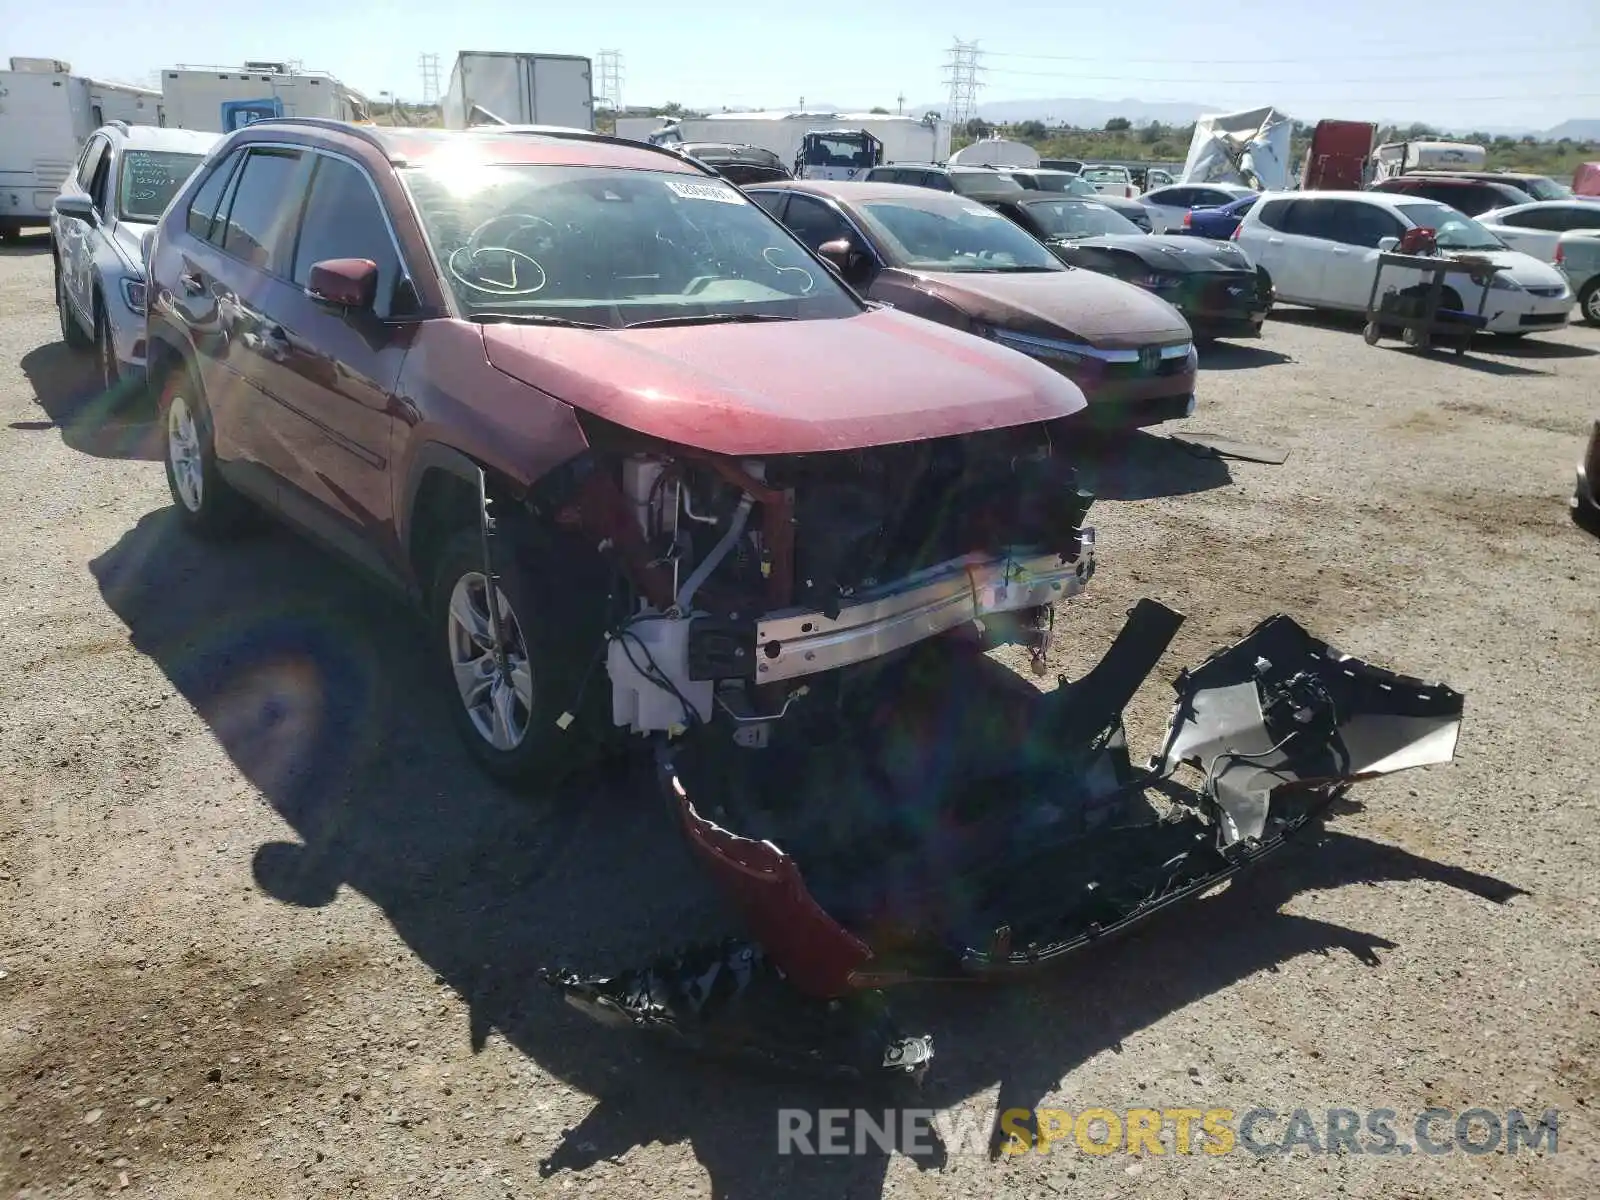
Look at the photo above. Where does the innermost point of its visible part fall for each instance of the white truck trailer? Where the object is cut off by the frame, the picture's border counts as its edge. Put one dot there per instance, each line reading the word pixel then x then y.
pixel 1396 158
pixel 46 113
pixel 861 140
pixel 494 87
pixel 221 99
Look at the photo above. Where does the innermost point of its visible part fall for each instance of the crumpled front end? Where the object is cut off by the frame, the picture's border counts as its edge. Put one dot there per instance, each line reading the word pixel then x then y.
pixel 950 820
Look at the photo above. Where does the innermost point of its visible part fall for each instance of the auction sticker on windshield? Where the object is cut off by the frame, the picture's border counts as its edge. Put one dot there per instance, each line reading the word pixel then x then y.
pixel 705 191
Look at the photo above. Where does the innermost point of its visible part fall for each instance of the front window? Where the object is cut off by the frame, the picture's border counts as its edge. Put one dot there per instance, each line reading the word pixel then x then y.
pixel 837 150
pixel 951 234
pixel 1077 219
pixel 1452 230
pixel 598 246
pixel 150 179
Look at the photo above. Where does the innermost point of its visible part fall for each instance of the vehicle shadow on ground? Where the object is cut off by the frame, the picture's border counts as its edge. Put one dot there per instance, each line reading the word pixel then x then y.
pixel 1237 356
pixel 315 685
pixel 1473 360
pixel 27 246
pixel 91 420
pixel 1533 347
pixel 1142 465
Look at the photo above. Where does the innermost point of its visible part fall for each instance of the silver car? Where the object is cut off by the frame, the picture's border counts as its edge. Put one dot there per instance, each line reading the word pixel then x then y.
pixel 1578 256
pixel 122 182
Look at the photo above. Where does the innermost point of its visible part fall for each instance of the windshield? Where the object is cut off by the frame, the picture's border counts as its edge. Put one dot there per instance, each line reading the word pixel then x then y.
pixel 1106 174
pixel 1061 183
pixel 1541 188
pixel 150 179
pixel 1452 230
pixel 984 183
pixel 1078 219
pixel 950 234
pixel 600 246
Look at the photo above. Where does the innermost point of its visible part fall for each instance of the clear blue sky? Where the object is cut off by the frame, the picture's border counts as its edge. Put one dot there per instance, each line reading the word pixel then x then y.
pixel 1462 62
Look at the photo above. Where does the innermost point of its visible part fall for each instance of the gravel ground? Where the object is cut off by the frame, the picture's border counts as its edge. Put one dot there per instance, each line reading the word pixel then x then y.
pixel 266 933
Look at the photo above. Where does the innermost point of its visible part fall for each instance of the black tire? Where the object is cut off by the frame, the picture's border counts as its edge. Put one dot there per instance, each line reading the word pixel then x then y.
pixel 558 635
pixel 71 332
pixel 213 509
pixel 1589 302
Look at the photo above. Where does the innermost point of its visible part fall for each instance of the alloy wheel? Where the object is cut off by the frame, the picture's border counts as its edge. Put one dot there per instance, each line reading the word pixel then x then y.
pixel 498 699
pixel 184 454
pixel 1591 305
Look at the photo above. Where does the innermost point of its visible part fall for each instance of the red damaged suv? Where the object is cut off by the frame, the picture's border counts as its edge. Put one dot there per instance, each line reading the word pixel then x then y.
pixel 647 467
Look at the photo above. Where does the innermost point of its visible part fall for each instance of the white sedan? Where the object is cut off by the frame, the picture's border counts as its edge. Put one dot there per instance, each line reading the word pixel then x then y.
pixel 1536 228
pixel 1168 205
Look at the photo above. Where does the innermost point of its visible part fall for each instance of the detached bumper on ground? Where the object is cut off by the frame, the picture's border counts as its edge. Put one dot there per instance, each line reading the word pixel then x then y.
pixel 967 825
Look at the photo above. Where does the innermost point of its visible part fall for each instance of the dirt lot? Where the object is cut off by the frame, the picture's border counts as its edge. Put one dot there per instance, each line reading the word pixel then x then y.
pixel 266 933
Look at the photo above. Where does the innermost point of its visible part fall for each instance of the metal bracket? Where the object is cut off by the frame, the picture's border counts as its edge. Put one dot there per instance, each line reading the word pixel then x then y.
pixel 486 528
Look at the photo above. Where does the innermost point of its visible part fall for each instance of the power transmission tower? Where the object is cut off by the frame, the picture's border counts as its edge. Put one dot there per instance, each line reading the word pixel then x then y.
pixel 961 73
pixel 429 66
pixel 609 92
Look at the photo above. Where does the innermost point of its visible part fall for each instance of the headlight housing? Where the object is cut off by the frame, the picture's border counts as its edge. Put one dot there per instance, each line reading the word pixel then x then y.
pixel 1504 283
pixel 133 295
pixel 1156 281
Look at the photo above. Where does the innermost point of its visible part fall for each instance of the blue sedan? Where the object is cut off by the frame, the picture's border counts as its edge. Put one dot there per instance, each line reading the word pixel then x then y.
pixel 1217 223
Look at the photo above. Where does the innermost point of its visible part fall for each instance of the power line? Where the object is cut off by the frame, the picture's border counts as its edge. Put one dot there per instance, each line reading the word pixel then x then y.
pixel 1472 99
pixel 1408 56
pixel 1211 79
pixel 961 73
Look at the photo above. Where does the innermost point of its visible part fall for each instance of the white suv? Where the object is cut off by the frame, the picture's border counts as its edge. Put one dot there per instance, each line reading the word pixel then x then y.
pixel 1321 250
pixel 113 197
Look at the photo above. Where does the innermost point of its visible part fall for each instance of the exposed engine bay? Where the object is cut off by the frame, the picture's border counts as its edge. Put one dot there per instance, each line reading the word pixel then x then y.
pixel 757 577
pixel 882 800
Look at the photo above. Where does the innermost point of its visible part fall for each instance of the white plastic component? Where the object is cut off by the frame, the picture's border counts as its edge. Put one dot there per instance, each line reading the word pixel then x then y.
pixel 638 701
pixel 639 475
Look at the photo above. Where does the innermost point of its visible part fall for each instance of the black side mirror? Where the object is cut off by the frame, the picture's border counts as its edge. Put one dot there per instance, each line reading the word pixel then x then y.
pixel 79 207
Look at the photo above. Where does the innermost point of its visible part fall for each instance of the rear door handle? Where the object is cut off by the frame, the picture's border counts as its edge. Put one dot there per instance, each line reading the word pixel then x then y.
pixel 276 339
pixel 1272 241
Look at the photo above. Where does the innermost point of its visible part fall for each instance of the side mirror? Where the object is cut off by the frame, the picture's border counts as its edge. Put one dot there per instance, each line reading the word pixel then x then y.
pixel 1385 245
pixel 349 283
pixel 79 207
pixel 838 254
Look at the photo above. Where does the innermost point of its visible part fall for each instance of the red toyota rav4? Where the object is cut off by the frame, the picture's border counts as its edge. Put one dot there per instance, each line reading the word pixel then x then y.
pixel 647 465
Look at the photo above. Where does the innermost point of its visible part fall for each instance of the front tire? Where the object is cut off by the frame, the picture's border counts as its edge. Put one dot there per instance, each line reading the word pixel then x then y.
pixel 1589 302
pixel 71 332
pixel 509 717
pixel 206 505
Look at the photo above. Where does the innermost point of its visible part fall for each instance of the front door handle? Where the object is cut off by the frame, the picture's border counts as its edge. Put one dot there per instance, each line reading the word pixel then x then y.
pixel 1272 241
pixel 275 339
pixel 191 283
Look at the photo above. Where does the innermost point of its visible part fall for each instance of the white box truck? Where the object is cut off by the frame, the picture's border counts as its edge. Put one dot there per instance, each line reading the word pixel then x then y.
pixel 494 87
pixel 46 113
pixel 222 99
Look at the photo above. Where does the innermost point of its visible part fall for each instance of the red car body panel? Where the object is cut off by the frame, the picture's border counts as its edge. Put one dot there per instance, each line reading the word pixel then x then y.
pixel 787 387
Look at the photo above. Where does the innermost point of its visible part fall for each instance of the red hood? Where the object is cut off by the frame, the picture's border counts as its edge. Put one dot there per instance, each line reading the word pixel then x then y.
pixel 786 387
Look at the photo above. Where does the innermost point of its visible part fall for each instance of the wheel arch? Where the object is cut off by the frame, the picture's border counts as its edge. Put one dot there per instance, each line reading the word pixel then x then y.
pixel 441 495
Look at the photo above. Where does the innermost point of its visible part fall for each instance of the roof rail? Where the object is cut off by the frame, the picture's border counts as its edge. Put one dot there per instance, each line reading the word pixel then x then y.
pixel 364 132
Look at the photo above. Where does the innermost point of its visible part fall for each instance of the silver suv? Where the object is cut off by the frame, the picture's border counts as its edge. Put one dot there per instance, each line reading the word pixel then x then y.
pixel 116 193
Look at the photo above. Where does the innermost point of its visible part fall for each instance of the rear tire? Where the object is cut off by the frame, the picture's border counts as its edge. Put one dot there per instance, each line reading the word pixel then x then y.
pixel 206 505
pixel 510 723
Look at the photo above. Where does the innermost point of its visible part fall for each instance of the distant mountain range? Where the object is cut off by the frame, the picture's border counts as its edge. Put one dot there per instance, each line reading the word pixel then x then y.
pixel 1093 114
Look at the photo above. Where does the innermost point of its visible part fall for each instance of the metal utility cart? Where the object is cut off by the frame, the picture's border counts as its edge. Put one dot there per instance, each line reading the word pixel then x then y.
pixel 1420 318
